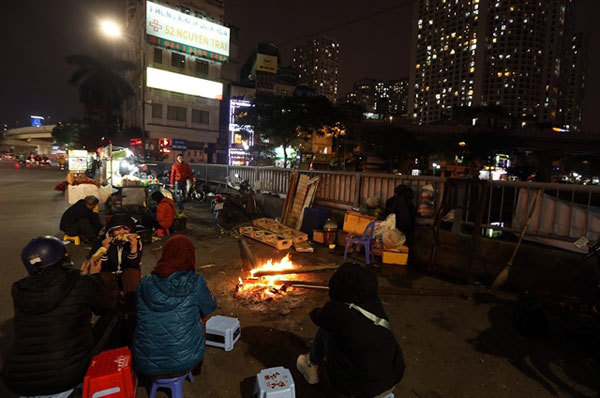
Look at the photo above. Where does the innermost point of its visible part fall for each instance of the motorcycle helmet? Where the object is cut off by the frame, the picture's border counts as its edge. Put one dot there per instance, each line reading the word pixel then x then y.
pixel 43 252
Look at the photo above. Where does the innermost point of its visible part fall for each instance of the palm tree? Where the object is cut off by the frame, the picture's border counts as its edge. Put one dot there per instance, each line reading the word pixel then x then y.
pixel 102 87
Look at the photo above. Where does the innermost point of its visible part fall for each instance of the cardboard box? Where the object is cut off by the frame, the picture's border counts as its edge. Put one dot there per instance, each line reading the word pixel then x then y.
pixel 355 222
pixel 397 256
pixel 318 235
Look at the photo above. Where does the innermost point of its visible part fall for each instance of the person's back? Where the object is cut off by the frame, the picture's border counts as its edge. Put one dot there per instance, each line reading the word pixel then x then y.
pixel 363 359
pixel 171 303
pixel 73 214
pixel 53 338
pixel 165 213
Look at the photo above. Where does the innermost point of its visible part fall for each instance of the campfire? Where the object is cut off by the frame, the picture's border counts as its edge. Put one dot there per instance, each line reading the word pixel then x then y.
pixel 264 282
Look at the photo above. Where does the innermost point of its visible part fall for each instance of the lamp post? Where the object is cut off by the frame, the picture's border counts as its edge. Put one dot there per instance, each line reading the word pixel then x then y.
pixel 112 30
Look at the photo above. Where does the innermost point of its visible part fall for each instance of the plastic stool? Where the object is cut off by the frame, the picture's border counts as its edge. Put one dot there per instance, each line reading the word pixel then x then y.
pixel 75 239
pixel 110 375
pixel 274 383
pixel 174 384
pixel 161 231
pixel 222 331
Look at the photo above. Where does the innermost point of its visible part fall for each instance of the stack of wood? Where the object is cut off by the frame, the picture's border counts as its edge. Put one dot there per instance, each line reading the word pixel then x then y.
pixel 274 233
pixel 300 194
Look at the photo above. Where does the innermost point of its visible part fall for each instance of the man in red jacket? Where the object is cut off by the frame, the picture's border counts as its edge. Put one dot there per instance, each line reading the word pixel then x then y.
pixel 180 173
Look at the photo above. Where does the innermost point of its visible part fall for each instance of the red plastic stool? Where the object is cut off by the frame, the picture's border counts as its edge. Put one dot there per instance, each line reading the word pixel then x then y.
pixel 109 375
pixel 161 231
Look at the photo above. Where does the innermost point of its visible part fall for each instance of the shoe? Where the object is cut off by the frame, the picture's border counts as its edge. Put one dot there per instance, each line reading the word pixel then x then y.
pixel 307 369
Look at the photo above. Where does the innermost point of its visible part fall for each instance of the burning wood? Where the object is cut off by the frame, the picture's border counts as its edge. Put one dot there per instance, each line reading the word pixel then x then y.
pixel 304 270
pixel 266 287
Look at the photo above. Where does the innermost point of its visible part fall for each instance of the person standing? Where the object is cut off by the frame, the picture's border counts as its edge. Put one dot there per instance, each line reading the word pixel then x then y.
pixel 180 173
pixel 54 339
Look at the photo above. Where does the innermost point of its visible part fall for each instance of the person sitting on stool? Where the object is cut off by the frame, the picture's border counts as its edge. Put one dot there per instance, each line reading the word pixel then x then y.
pixel 363 358
pixel 80 219
pixel 165 213
pixel 54 339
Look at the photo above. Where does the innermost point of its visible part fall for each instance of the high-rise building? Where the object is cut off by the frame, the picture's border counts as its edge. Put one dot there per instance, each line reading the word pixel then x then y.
pixel 577 69
pixel 508 53
pixel 180 50
pixel 379 96
pixel 317 64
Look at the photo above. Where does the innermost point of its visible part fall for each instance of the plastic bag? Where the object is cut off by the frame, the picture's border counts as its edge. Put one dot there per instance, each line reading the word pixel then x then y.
pixel 388 224
pixel 392 238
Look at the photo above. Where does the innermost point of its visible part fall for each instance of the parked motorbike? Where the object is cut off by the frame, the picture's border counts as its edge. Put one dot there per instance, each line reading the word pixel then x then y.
pixel 236 208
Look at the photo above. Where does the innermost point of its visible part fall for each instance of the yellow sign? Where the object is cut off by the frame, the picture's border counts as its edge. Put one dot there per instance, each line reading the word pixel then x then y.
pixel 266 63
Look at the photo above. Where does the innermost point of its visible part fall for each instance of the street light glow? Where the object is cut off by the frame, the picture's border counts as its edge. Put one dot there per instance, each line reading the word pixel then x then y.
pixel 110 29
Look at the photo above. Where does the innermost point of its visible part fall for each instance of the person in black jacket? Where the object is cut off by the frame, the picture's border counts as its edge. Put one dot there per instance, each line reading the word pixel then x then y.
pixel 54 340
pixel 401 204
pixel 80 219
pixel 363 356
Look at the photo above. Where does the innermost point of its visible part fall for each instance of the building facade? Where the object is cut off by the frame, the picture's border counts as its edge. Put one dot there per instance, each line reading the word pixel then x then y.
pixel 507 53
pixel 577 69
pixel 178 96
pixel 379 96
pixel 317 65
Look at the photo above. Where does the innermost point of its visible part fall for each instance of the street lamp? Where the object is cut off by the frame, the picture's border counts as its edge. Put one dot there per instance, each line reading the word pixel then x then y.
pixel 110 29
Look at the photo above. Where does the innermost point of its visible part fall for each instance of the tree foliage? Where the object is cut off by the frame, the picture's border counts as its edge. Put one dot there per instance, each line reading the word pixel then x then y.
pixel 77 133
pixel 102 87
pixel 286 121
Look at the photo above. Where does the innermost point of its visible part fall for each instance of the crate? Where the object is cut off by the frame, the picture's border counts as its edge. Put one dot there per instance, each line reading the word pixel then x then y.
pixel 223 332
pixel 274 383
pixel 355 222
pixel 110 374
pixel 277 241
pixel 397 256
pixel 318 235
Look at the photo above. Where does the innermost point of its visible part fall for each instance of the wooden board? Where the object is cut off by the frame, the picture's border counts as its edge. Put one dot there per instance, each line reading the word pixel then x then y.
pixel 269 238
pixel 278 228
pixel 304 247
pixel 299 198
pixel 289 197
pixel 310 197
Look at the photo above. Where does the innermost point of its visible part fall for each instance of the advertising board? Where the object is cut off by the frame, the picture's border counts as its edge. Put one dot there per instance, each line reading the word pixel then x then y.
pixel 266 63
pixel 178 83
pixel 78 160
pixel 173 29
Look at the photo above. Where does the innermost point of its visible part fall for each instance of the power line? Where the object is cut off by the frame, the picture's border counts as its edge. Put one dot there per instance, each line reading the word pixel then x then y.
pixel 353 21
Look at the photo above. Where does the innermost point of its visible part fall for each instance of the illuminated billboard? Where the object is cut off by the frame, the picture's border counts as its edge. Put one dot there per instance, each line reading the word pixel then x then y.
pixel 266 63
pixel 173 29
pixel 178 83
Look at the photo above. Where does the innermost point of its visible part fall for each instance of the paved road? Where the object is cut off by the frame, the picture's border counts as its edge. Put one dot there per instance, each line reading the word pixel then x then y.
pixel 29 207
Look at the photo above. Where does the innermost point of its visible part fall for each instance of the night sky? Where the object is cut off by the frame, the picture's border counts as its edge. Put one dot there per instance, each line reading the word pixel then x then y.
pixel 39 34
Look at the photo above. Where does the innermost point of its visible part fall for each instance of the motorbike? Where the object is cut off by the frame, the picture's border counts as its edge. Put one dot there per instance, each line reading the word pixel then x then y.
pixel 236 208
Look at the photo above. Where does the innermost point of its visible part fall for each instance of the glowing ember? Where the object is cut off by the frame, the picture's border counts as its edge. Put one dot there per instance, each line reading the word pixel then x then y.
pixel 267 286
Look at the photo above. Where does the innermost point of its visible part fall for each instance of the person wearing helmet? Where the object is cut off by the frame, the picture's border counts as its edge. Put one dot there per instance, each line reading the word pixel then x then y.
pixel 54 339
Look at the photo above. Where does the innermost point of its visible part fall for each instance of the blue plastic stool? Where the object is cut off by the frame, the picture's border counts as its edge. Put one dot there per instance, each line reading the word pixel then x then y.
pixel 174 384
pixel 366 240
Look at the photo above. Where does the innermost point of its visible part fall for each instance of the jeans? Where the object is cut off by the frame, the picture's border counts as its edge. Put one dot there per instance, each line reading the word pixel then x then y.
pixel 318 349
pixel 179 194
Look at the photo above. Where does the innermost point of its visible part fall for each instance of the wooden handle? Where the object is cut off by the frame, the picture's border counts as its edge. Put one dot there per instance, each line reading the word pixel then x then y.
pixel 537 196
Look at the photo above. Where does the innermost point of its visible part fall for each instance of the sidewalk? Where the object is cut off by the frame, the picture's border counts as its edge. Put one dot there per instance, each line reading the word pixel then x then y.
pixel 453 347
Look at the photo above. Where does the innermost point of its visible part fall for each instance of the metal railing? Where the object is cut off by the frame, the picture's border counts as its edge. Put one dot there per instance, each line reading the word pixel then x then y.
pixel 565 211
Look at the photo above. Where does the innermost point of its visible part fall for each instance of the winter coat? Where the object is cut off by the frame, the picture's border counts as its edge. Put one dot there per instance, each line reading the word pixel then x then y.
pixel 110 260
pixel 165 213
pixel 401 204
pixel 363 359
pixel 53 341
pixel 75 213
pixel 181 172
pixel 169 337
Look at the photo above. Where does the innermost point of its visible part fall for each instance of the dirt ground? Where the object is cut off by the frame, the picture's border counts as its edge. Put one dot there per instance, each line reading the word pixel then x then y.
pixel 453 346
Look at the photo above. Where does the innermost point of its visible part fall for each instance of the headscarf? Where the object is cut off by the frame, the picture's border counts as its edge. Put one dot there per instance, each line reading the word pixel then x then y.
pixel 178 255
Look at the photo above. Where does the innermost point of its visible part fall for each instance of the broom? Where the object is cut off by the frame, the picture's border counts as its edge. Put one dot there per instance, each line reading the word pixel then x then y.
pixel 501 279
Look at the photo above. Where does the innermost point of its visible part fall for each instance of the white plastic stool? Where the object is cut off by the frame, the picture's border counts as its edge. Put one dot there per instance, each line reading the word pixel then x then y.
pixel 222 331
pixel 274 383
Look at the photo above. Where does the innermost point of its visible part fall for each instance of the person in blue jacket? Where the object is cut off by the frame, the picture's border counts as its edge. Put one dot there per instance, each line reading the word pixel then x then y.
pixel 173 304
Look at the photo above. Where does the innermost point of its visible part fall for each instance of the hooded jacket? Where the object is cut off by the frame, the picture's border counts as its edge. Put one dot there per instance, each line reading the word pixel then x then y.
pixel 169 337
pixel 165 213
pixel 75 213
pixel 53 341
pixel 363 359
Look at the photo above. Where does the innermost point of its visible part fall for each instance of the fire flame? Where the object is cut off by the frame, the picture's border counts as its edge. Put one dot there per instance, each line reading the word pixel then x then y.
pixel 267 286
